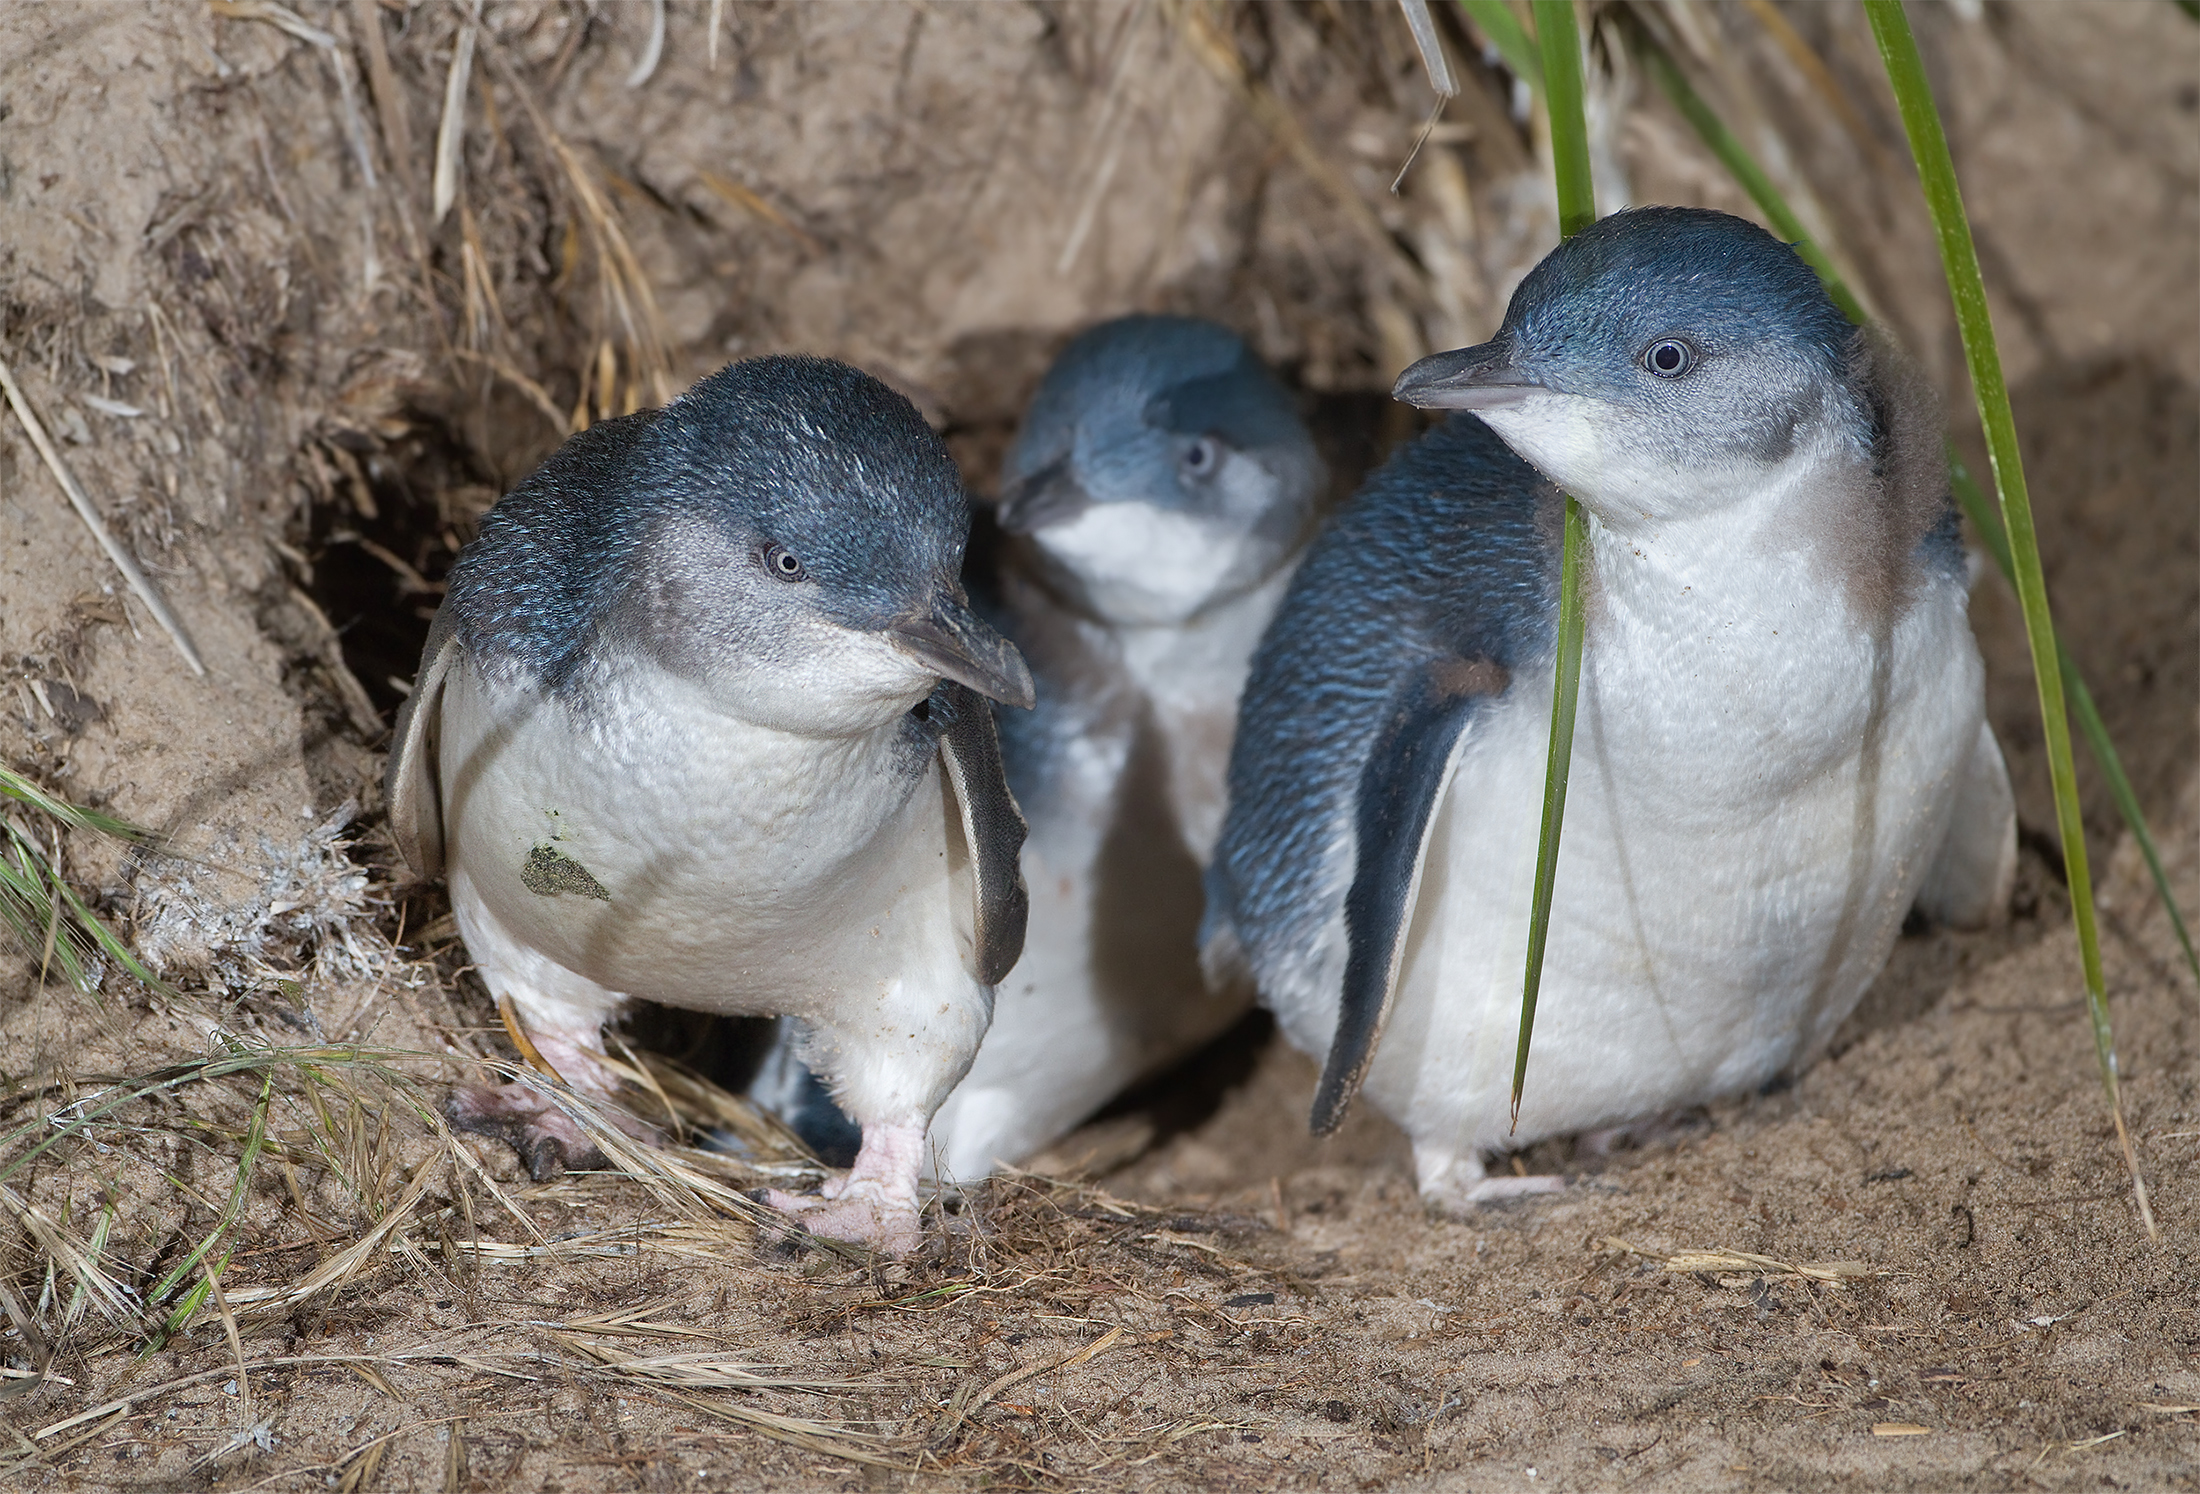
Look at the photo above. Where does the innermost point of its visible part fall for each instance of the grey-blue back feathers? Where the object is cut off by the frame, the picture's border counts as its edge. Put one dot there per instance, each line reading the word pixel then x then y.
pixel 1447 553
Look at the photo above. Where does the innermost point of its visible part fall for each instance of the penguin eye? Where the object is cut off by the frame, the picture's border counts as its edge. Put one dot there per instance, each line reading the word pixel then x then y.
pixel 1669 358
pixel 1202 457
pixel 781 562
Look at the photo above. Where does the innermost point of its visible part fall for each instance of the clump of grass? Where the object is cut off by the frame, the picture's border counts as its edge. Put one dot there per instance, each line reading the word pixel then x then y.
pixel 344 1128
pixel 38 907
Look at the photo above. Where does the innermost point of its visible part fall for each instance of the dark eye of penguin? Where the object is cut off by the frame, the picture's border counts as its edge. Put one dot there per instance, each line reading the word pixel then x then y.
pixel 1202 457
pixel 1669 358
pixel 781 562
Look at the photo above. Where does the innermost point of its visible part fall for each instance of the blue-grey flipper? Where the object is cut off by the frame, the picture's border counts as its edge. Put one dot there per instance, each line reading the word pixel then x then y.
pixel 409 784
pixel 993 828
pixel 1401 784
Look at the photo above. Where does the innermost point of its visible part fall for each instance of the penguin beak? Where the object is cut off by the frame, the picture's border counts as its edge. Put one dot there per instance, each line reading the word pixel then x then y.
pixel 951 642
pixel 1483 377
pixel 1048 496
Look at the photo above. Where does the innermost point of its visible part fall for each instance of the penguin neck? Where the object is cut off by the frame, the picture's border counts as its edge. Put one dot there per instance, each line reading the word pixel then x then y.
pixel 1219 638
pixel 1191 676
pixel 1789 556
pixel 1179 681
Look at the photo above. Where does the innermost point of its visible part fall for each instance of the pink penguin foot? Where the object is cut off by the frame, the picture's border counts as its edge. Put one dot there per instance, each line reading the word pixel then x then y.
pixel 887 1225
pixel 548 1140
pixel 874 1204
pixel 1455 1181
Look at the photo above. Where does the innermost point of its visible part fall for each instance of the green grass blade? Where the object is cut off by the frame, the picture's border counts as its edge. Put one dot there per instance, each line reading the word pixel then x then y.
pixel 2119 789
pixel 1985 520
pixel 1565 692
pixel 1561 48
pixel 94 1250
pixel 253 1140
pixel 14 786
pixel 75 1120
pixel 32 909
pixel 1743 167
pixel 1502 30
pixel 1959 258
pixel 38 906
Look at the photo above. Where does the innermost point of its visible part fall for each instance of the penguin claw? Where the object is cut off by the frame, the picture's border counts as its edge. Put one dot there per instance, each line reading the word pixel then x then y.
pixel 1462 1202
pixel 1498 1190
pixel 1455 1182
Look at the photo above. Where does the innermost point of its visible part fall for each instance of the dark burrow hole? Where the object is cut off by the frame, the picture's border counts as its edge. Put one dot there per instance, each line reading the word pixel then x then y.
pixel 382 539
pixel 382 543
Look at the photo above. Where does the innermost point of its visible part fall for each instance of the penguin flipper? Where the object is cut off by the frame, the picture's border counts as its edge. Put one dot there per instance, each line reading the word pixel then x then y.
pixel 410 785
pixel 993 830
pixel 1401 785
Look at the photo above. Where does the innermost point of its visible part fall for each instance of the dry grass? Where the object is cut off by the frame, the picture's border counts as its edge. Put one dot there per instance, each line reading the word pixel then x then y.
pixel 394 1306
pixel 328 1179
pixel 88 512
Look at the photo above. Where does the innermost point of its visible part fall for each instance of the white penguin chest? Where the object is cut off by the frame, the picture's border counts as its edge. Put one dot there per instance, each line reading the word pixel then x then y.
pixel 1181 682
pixel 1758 785
pixel 1191 677
pixel 669 851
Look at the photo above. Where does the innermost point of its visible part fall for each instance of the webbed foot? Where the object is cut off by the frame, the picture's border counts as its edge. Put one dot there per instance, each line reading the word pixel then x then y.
pixel 874 1203
pixel 548 1140
pixel 1457 1182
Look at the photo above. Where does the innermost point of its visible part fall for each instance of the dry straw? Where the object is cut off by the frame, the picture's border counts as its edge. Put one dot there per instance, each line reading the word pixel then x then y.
pixel 81 501
pixel 326 1174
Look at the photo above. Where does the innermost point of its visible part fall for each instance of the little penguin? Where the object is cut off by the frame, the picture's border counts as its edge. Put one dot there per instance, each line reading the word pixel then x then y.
pixel 1781 746
pixel 1157 495
pixel 699 722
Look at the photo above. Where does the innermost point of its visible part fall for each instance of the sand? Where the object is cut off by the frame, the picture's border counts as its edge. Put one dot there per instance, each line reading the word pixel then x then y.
pixel 1917 1265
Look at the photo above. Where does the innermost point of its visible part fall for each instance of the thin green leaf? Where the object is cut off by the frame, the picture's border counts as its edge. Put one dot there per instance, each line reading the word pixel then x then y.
pixel 14 786
pixel 95 1250
pixel 1565 692
pixel 90 927
pixel 1502 30
pixel 1735 156
pixel 253 1140
pixel 1561 46
pixel 72 1121
pixel 1984 519
pixel 1988 524
pixel 1959 257
pixel 31 905
pixel 38 906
